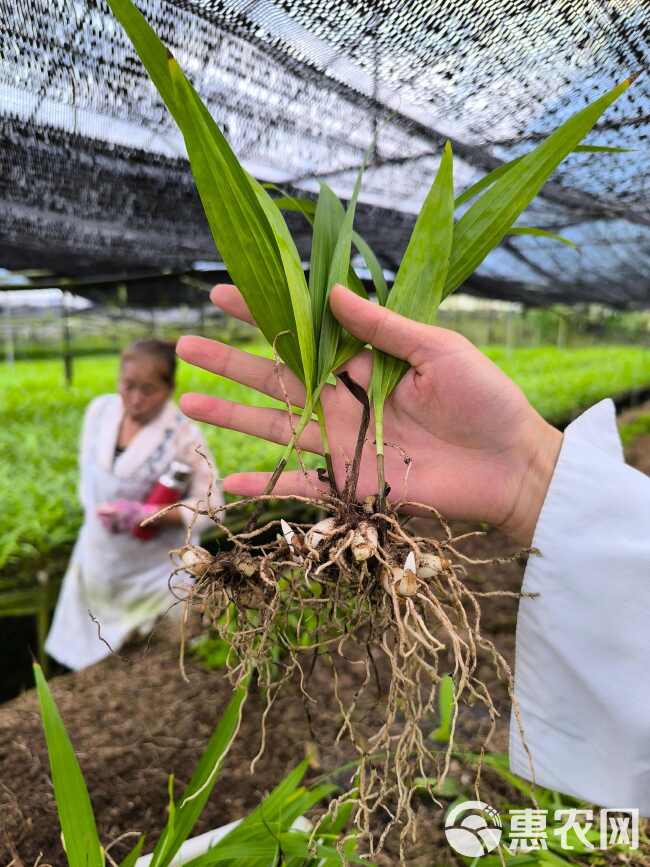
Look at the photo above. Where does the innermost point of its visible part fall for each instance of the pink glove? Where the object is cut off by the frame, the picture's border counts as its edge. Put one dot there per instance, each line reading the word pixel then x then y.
pixel 122 516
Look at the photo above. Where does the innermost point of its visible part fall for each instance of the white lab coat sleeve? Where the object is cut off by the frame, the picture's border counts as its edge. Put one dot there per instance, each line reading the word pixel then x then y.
pixel 583 644
pixel 206 489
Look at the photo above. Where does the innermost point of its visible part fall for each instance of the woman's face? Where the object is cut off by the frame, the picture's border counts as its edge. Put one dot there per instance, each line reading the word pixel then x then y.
pixel 143 390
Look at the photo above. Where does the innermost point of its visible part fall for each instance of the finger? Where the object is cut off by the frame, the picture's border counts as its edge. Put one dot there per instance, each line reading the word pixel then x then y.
pixel 262 374
pixel 270 424
pixel 231 301
pixel 294 482
pixel 386 329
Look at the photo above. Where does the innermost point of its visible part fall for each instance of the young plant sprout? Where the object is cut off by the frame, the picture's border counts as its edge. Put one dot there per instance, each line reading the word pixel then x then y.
pixel 357 584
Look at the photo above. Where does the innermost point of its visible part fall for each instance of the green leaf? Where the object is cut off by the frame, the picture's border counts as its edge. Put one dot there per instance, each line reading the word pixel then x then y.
pixel 151 50
pixel 296 844
pixel 542 233
pixel 373 265
pixel 307 207
pixel 485 181
pixel 602 149
pixel 329 217
pixel 499 763
pixel 331 331
pixel 78 827
pixel 333 825
pixel 260 851
pixel 298 290
pixel 488 179
pixel 184 815
pixel 484 225
pixel 446 701
pixel 134 854
pixel 254 841
pixel 250 233
pixel 417 290
pixel 449 788
pixel 248 229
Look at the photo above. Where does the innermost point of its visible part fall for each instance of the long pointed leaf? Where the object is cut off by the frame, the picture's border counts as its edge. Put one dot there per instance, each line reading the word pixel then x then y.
pixel 542 233
pixel 372 263
pixel 296 843
pixel 190 806
pixel 601 149
pixel 255 838
pixel 331 331
pixel 417 290
pixel 249 231
pixel 307 208
pixel 446 702
pixel 131 859
pixel 484 225
pixel 78 827
pixel 329 217
pixel 488 179
pixel 298 290
pixel 285 202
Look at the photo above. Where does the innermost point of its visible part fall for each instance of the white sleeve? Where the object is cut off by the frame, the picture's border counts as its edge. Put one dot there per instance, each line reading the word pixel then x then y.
pixel 205 488
pixel 583 645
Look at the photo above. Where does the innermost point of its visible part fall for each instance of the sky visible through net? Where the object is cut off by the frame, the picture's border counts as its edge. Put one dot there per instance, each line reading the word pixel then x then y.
pixel 92 172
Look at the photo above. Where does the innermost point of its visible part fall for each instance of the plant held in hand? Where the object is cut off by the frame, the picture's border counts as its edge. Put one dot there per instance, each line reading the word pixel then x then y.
pixel 358 581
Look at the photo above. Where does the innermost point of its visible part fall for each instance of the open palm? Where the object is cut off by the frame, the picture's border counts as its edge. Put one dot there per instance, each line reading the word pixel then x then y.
pixel 473 446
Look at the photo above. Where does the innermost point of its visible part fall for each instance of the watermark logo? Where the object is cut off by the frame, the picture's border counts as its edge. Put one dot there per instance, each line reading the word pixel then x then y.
pixel 469 832
pixel 474 828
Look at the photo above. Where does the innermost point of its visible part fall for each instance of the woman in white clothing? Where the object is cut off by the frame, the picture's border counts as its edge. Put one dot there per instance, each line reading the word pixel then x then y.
pixel 117 583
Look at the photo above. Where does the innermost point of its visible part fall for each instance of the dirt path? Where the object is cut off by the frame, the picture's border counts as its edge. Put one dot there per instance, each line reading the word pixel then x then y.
pixel 132 723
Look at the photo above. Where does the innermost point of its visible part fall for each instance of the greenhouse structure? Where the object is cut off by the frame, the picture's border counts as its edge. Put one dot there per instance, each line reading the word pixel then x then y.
pixel 295 576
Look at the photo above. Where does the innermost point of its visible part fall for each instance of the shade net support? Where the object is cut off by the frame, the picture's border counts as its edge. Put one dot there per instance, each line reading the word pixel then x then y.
pixel 93 177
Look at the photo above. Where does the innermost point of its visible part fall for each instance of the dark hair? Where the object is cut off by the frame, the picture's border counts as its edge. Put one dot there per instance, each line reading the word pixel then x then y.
pixel 161 351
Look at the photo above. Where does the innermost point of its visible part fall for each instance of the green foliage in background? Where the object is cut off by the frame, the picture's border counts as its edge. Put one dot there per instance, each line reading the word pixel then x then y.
pixel 40 421
pixel 638 428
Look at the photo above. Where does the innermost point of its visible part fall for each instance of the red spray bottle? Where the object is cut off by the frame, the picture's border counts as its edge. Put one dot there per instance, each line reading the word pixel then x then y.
pixel 169 489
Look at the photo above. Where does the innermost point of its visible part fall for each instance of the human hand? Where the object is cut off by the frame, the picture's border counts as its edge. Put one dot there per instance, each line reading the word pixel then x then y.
pixel 123 516
pixel 478 450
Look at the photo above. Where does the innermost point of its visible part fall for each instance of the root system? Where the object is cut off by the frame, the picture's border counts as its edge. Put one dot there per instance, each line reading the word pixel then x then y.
pixel 356 585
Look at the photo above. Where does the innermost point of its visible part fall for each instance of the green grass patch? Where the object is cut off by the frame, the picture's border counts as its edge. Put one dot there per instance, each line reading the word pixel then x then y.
pixel 562 382
pixel 637 428
pixel 40 422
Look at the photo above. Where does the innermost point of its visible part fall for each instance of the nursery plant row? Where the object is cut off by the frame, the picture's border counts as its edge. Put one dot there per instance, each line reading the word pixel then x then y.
pixel 40 421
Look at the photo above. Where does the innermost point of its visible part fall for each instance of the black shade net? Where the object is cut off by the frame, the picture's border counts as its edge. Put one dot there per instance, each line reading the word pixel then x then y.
pixel 92 171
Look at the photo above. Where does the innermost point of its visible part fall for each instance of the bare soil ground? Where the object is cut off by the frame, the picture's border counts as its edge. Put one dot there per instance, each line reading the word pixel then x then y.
pixel 135 721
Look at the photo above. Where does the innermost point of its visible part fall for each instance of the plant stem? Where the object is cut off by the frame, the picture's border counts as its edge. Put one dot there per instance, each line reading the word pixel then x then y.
pixel 304 420
pixel 327 453
pixel 360 394
pixel 379 447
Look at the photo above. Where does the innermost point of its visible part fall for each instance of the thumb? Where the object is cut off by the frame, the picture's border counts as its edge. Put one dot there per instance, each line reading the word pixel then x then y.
pixel 383 328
